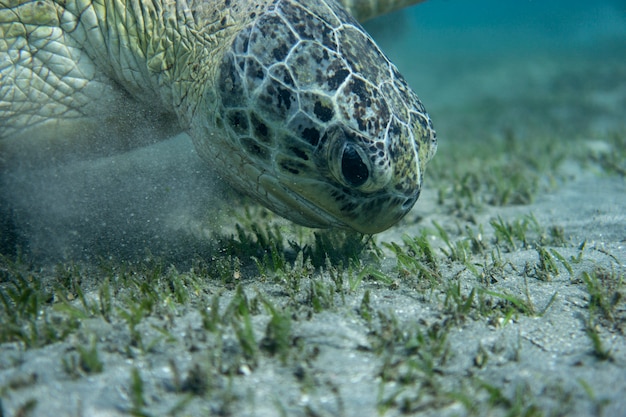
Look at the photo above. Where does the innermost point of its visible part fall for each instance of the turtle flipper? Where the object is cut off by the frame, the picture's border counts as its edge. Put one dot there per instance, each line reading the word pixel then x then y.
pixel 54 101
pixel 63 140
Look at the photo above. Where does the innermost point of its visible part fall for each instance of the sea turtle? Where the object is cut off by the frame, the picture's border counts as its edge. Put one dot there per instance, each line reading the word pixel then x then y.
pixel 290 101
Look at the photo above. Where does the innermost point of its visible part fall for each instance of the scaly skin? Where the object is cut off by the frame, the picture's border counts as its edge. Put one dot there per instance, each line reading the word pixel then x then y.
pixel 293 104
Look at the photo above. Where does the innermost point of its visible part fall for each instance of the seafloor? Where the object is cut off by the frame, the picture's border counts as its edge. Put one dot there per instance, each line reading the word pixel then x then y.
pixel 138 291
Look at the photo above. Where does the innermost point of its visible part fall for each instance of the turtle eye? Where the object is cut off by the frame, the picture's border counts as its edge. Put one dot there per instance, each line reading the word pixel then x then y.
pixel 353 169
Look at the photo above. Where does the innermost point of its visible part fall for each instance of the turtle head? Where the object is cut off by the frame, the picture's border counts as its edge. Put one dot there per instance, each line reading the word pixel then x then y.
pixel 321 127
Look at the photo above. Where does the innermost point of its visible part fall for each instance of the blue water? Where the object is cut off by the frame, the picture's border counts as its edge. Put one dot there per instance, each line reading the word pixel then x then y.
pixel 556 17
pixel 483 63
pixel 522 22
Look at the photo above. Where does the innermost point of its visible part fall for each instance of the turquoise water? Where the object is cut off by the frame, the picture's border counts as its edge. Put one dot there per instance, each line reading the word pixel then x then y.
pixel 482 64
pixel 459 25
